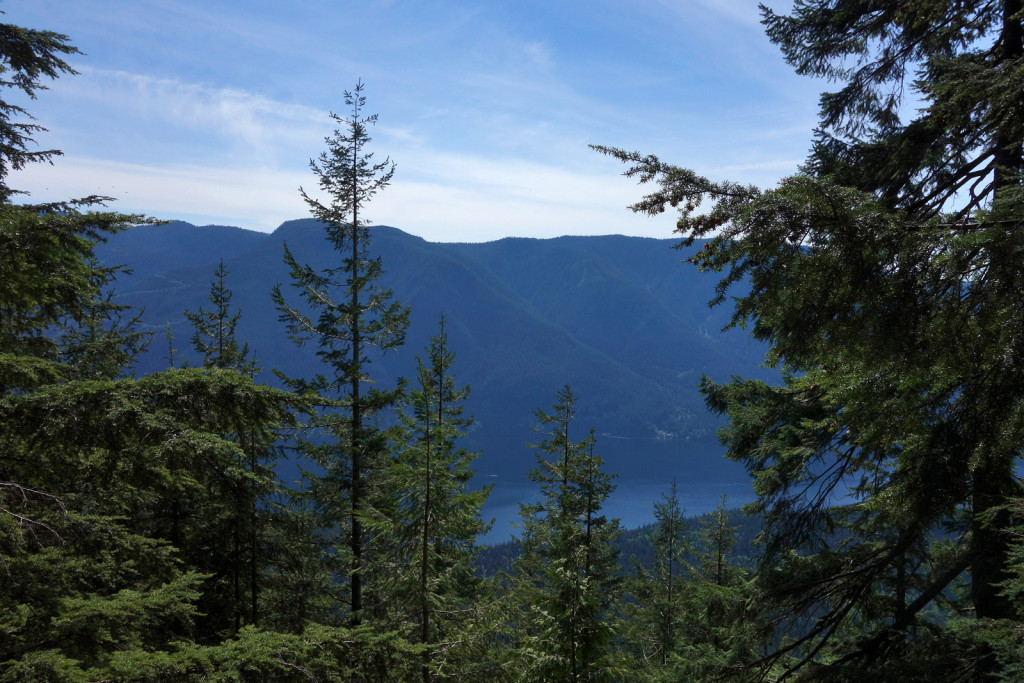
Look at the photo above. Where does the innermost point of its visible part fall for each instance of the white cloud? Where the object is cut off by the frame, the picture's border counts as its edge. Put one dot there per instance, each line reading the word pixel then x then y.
pixel 246 123
pixel 250 198
pixel 468 199
pixel 446 213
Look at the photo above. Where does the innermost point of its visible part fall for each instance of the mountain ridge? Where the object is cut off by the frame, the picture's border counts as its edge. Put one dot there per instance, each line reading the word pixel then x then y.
pixel 618 318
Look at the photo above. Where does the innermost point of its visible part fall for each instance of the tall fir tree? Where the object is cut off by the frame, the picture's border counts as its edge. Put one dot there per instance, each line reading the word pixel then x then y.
pixel 567 580
pixel 252 493
pixel 349 315
pixel 432 580
pixel 654 611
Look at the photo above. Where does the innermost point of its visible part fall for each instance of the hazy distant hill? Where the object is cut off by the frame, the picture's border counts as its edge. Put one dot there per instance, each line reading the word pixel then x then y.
pixel 617 318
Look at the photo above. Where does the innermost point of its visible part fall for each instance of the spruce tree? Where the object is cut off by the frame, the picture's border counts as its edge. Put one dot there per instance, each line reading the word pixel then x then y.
pixel 567 580
pixel 214 331
pixel 438 521
pixel 251 488
pixel 658 592
pixel 349 316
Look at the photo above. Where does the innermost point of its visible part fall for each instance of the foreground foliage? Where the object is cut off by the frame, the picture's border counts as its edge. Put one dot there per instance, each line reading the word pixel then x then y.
pixel 886 279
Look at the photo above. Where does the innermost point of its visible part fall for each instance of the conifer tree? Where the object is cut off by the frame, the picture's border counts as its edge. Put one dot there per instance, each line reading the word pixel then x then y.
pixel 250 486
pixel 51 279
pixel 104 341
pixel 724 627
pixel 960 58
pixel 27 57
pixel 891 308
pixel 92 586
pixel 349 316
pixel 91 544
pixel 567 578
pixel 214 331
pixel 121 555
pixel 658 592
pixel 716 538
pixel 438 520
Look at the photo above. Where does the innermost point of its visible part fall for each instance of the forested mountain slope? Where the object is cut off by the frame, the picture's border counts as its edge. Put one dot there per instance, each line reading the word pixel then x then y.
pixel 617 318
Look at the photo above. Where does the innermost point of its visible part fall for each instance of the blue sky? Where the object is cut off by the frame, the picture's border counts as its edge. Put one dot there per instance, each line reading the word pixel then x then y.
pixel 210 111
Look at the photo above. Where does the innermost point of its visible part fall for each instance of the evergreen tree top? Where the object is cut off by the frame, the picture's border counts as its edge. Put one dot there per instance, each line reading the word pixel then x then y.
pixel 345 171
pixel 27 57
pixel 960 60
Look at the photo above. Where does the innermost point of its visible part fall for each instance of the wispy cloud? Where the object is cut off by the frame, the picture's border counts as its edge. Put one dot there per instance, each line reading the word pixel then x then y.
pixel 238 119
pixel 539 54
pixel 259 199
pixel 467 199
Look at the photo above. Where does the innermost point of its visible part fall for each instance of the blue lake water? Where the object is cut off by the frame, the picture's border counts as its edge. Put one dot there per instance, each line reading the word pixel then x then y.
pixel 645 469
